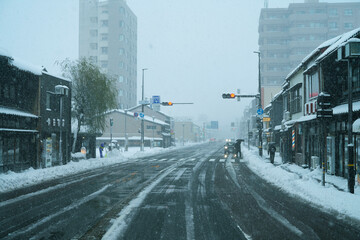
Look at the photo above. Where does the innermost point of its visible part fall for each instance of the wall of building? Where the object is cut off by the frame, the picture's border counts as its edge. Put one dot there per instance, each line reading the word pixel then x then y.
pixel 108 36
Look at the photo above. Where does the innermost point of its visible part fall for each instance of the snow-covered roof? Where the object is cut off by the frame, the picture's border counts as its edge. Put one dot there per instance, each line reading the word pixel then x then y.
pixel 57 76
pixel 146 118
pixel 309 56
pixel 336 44
pixel 15 112
pixel 17 130
pixel 21 64
pixel 306 118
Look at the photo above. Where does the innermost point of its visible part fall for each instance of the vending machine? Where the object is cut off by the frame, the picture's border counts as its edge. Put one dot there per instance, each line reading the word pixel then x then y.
pixel 330 155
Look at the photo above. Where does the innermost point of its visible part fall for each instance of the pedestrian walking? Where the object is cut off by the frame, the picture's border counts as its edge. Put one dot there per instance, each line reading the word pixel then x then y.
pixel 101 149
pixel 271 151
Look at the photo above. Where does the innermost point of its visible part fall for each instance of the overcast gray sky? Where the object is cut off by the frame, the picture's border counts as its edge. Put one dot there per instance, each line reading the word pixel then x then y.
pixel 194 50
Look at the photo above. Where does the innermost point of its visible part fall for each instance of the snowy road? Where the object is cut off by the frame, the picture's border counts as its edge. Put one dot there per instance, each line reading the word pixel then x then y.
pixel 191 193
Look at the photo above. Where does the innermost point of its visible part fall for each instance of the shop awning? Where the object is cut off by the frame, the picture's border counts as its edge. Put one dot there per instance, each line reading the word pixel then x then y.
pixel 17 130
pixel 356 126
pixel 15 112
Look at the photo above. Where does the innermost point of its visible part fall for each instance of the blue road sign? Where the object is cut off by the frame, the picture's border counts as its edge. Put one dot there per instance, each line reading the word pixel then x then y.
pixel 141 115
pixel 156 99
pixel 260 111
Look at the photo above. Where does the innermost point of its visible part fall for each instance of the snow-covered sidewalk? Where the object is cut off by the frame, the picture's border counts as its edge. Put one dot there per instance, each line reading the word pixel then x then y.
pixel 11 181
pixel 306 183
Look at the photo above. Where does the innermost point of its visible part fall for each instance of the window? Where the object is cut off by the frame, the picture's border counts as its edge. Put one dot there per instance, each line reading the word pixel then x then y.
pixel 295 102
pixel 332 25
pixel 333 12
pixel 48 101
pixel 104 23
pixel 93 19
pixel 121 65
pixel 93 33
pixel 104 50
pixel 93 59
pixel 93 46
pixel 348 26
pixel 121 37
pixel 120 92
pixel 121 79
pixel 121 51
pixel 348 12
pixel 122 10
pixel 312 85
pixel 104 36
pixel 104 64
pixel 121 24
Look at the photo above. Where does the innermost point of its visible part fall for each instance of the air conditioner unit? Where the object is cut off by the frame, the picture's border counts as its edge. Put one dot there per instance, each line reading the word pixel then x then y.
pixel 352 48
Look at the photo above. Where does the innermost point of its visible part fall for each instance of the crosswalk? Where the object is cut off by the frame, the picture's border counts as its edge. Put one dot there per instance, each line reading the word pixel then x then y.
pixel 221 160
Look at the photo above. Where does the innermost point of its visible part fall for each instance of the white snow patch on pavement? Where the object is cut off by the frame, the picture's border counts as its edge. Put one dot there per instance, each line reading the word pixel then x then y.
pixel 11 181
pixel 125 216
pixel 305 183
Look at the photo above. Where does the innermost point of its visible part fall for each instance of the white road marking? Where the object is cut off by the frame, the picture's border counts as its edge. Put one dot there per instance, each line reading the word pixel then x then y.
pixel 212 160
pixel 180 173
pixel 222 160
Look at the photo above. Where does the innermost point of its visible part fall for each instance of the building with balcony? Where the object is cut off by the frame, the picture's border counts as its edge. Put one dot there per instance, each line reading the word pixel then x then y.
pixel 287 35
pixel 108 37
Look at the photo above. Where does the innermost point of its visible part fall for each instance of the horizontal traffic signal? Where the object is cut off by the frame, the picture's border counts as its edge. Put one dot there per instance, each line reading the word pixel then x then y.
pixel 228 95
pixel 167 103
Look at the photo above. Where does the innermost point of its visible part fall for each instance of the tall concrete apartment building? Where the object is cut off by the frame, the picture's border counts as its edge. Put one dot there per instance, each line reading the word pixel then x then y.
pixel 108 37
pixel 287 35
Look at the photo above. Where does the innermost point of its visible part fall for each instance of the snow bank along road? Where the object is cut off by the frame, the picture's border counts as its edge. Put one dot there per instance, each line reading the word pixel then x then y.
pixel 192 193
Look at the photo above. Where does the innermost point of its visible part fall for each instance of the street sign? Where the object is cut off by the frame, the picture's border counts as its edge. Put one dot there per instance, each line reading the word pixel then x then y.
pixel 141 115
pixel 260 111
pixel 266 119
pixel 155 99
pixel 136 114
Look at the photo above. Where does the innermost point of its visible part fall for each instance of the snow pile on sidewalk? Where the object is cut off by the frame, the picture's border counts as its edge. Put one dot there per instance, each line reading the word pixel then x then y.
pixel 11 181
pixel 306 183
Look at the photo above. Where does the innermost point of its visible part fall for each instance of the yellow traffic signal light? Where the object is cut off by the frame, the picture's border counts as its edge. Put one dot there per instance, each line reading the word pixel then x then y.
pixel 232 95
pixel 170 103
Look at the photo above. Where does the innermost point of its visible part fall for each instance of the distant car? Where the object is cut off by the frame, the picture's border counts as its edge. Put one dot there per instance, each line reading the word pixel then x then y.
pixel 229 148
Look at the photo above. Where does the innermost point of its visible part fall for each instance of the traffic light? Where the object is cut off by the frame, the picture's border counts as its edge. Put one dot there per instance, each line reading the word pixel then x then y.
pixel 167 103
pixel 324 109
pixel 228 95
pixel 111 122
pixel 258 123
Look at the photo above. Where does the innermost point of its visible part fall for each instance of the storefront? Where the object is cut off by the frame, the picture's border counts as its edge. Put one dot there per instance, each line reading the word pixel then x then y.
pixel 18 140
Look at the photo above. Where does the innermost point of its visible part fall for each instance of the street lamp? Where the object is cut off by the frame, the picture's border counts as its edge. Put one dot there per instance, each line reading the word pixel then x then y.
pixel 153 127
pixel 126 137
pixel 259 106
pixel 183 138
pixel 61 90
pixel 142 110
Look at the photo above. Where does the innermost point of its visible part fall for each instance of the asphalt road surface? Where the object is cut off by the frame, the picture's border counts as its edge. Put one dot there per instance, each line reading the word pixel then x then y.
pixel 192 193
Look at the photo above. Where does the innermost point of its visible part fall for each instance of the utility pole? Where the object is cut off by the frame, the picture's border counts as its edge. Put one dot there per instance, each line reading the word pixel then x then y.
pixel 351 165
pixel 259 106
pixel 142 110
